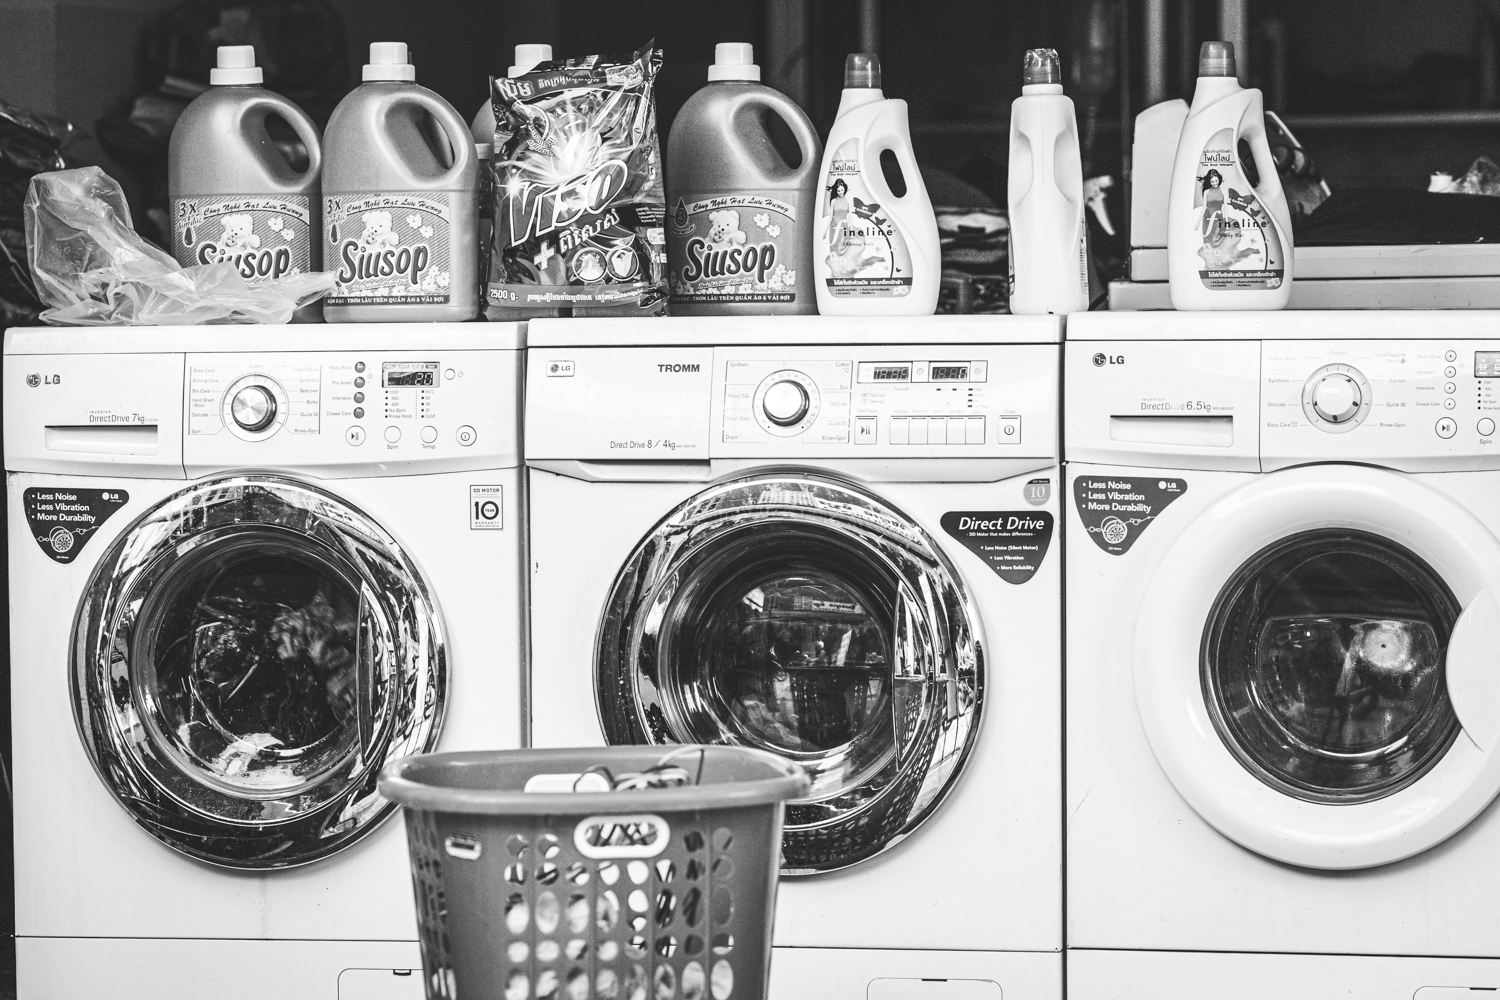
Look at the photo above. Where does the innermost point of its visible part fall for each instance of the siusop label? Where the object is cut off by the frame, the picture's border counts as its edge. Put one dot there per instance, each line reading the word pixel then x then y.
pixel 387 249
pixel 863 249
pixel 734 248
pixel 263 236
pixel 1013 543
pixel 1116 511
pixel 63 520
pixel 1241 249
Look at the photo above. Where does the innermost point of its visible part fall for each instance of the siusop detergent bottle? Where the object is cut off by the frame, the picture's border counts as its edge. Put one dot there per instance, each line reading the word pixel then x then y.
pixel 1229 244
pixel 875 250
pixel 740 225
pixel 1049 253
pixel 400 201
pixel 234 197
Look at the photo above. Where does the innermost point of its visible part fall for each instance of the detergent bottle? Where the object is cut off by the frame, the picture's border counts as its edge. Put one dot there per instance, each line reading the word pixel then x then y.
pixel 740 216
pixel 234 197
pixel 1049 253
pixel 400 201
pixel 875 249
pixel 1229 243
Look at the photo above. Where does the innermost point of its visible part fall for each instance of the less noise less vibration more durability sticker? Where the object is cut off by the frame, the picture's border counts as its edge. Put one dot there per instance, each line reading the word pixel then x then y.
pixel 1013 543
pixel 1116 511
pixel 63 520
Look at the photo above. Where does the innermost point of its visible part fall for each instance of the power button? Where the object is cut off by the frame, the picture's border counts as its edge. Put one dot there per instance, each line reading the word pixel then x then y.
pixel 467 435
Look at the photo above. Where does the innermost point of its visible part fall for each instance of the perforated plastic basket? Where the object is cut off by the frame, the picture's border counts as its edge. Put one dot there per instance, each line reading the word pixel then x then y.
pixel 657 893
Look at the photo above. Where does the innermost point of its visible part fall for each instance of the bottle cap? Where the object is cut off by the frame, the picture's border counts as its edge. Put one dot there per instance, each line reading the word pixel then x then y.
pixel 1216 59
pixel 862 70
pixel 527 57
pixel 734 61
pixel 236 67
pixel 389 61
pixel 1041 66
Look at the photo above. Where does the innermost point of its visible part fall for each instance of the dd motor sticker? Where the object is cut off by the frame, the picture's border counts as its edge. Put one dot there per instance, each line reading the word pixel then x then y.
pixel 264 237
pixel 387 249
pixel 1115 510
pixel 1013 543
pixel 63 520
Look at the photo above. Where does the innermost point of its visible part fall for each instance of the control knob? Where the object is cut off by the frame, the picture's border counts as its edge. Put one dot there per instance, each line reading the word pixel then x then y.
pixel 253 408
pixel 785 403
pixel 1336 398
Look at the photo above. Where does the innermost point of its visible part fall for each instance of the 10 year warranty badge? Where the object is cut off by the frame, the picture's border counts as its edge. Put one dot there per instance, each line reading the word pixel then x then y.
pixel 484 508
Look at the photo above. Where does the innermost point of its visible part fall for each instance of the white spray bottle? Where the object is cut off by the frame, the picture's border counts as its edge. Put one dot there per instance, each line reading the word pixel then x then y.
pixel 1049 253
pixel 875 252
pixel 1229 245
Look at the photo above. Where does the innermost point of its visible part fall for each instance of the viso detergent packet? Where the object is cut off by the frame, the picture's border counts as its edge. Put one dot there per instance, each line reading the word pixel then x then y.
pixel 578 190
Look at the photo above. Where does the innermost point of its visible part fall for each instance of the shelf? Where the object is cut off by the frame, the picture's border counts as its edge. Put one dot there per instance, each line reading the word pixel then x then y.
pixel 1396 119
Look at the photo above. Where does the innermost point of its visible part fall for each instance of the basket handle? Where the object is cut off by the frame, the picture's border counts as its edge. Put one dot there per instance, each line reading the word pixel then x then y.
pixel 639 835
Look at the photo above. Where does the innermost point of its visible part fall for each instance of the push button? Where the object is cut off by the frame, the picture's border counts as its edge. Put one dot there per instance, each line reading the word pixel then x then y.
pixel 1008 430
pixel 467 435
pixel 864 430
pixel 1485 427
pixel 429 434
pixel 1446 428
pixel 393 434
pixel 355 435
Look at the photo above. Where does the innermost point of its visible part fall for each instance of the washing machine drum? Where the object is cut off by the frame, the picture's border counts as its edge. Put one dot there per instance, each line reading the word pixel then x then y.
pixel 801 615
pixel 246 658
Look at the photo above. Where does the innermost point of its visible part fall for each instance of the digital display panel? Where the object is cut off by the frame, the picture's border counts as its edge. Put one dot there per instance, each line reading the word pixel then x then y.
pixel 891 373
pixel 1487 364
pixel 409 375
pixel 950 373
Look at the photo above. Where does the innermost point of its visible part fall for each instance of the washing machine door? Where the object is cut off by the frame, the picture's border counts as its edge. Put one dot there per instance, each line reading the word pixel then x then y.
pixel 1316 666
pixel 245 659
pixel 801 615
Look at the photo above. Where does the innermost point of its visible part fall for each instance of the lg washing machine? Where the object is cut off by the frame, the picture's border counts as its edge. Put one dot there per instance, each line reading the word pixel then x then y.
pixel 248 567
pixel 834 540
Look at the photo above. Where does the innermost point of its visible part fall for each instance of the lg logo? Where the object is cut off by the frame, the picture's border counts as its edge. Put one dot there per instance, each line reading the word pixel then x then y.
pixel 35 380
pixel 1100 360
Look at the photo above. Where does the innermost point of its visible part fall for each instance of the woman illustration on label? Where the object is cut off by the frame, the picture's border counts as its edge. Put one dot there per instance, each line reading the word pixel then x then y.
pixel 1213 199
pixel 838 222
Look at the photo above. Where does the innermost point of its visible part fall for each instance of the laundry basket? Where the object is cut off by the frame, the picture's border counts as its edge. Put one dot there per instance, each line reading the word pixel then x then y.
pixel 610 873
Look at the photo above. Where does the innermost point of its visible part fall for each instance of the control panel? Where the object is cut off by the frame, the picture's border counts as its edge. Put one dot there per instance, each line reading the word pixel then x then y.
pixel 655 404
pixel 348 407
pixel 1415 405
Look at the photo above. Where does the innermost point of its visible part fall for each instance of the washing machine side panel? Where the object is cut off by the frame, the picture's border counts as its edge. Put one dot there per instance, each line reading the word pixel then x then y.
pixel 984 872
pixel 1145 872
pixel 581 535
pixel 89 871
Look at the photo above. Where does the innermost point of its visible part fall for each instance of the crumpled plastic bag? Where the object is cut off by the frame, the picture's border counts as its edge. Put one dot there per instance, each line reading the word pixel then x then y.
pixel 92 268
pixel 1483 178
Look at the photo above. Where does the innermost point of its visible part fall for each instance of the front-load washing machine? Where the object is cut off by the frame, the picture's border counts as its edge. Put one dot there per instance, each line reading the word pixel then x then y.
pixel 831 539
pixel 1283 649
pixel 248 567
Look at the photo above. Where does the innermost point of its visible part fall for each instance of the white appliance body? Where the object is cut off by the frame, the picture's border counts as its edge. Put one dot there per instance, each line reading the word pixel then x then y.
pixel 630 423
pixel 103 426
pixel 1282 705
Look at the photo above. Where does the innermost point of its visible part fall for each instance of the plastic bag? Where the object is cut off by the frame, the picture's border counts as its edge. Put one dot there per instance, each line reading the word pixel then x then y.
pixel 578 190
pixel 93 269
pixel 1483 178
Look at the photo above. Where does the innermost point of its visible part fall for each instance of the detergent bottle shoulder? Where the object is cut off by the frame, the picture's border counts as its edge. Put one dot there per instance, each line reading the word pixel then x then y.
pixel 740 209
pixel 234 195
pixel 876 250
pixel 1229 232
pixel 400 200
pixel 1049 260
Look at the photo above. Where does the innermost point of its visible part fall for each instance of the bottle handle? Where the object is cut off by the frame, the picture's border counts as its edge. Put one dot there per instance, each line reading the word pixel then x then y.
pixel 796 120
pixel 878 139
pixel 454 128
pixel 1253 126
pixel 271 103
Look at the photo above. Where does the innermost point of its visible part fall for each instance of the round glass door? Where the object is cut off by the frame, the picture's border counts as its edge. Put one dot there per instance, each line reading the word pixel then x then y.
pixel 1314 664
pixel 800 615
pixel 248 655
pixel 1323 666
